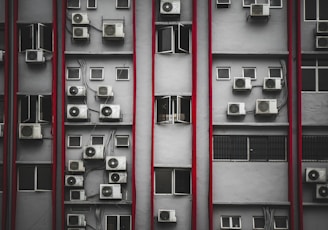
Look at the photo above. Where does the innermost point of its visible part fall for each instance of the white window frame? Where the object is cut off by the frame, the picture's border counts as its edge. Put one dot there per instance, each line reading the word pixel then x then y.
pixel 172 40
pixel 174 116
pixel 255 227
pixel 73 79
pixel 118 220
pixel 92 7
pixel 120 7
pixel 102 74
pixel 118 69
pixel 316 69
pixel 74 147
pixel 74 7
pixel 122 136
pixel 249 67
pixel 270 68
pixel 276 228
pixel 230 222
pixel 223 68
pixel 317 12
pixel 97 136
pixel 35 178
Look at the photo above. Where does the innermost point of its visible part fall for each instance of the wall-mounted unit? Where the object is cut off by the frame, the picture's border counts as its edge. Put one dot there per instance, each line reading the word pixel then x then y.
pixel 272 84
pixel 77 112
pixel 2 54
pixel 34 56
pixel 76 91
pixel 315 175
pixel 80 19
pixel 242 83
pixel 260 10
pixel 2 126
pixel 321 42
pixel 322 27
pixel 110 191
pixel 266 107
pixel 109 112
pixel 30 131
pixel 77 195
pixel 76 220
pixel 116 163
pixel 80 33
pixel 113 30
pixel 118 177
pixel 76 166
pixel 236 109
pixel 170 7
pixel 322 191
pixel 74 180
pixel 93 152
pixel 223 3
pixel 166 216
pixel 105 91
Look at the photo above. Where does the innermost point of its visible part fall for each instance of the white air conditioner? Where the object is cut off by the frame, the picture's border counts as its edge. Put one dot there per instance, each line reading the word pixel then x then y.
pixel 77 112
pixel 260 10
pixel 76 166
pixel 113 30
pixel 110 191
pixel 80 33
pixel 116 163
pixel 315 175
pixel 76 91
pixel 118 177
pixel 223 3
pixel 74 180
pixel 109 112
pixel 94 152
pixel 322 27
pixel 242 83
pixel 321 42
pixel 2 55
pixel 166 216
pixel 236 109
pixel 2 127
pixel 322 191
pixel 34 56
pixel 105 91
pixel 80 19
pixel 30 131
pixel 170 7
pixel 77 195
pixel 271 84
pixel 266 106
pixel 76 220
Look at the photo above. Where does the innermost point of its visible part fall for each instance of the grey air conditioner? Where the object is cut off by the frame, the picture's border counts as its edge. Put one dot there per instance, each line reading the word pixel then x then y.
pixel 322 191
pixel 105 91
pixel 34 56
pixel 74 180
pixel 109 112
pixel 77 195
pixel 321 42
pixel 166 216
pixel 30 131
pixel 118 177
pixel 76 91
pixel 236 109
pixel 80 19
pixel 2 126
pixel 93 152
pixel 223 3
pixel 76 220
pixel 77 112
pixel 117 163
pixel 76 166
pixel 272 84
pixel 260 10
pixel 266 107
pixel 170 7
pixel 113 30
pixel 315 175
pixel 80 33
pixel 110 191
pixel 322 27
pixel 242 83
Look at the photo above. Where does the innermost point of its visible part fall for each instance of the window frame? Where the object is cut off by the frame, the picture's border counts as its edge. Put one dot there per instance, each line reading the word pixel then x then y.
pixel 74 7
pixel 117 69
pixel 121 136
pixel 35 178
pixel 122 7
pixel 102 74
pixel 230 222
pixel 257 217
pixel 72 68
pixel 175 105
pixel 171 38
pixel 274 223
pixel 97 136
pixel 271 68
pixel 249 67
pixel 94 7
pixel 74 147
pixel 118 221
pixel 317 12
pixel 223 68
pixel 260 2
pixel 312 157
pixel 316 69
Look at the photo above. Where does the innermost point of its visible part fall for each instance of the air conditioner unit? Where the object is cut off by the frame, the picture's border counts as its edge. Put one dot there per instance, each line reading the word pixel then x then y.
pixel 166 216
pixel 242 83
pixel 30 131
pixel 223 3
pixel 170 7
pixel 322 191
pixel 76 166
pixel 315 175
pixel 76 91
pixel 76 220
pixel 266 106
pixel 81 33
pixel 80 19
pixel 34 56
pixel 116 163
pixel 74 180
pixel 113 30
pixel 93 152
pixel 321 42
pixel 118 177
pixel 322 27
pixel 236 109
pixel 260 10
pixel 77 195
pixel 109 112
pixel 105 91
pixel 110 191
pixel 2 126
pixel 77 112
pixel 271 84
pixel 2 54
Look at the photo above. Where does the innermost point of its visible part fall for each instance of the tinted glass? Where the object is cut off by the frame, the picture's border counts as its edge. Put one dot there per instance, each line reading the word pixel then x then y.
pixel 163 179
pixel 323 79
pixel 308 79
pixel 182 181
pixel 26 177
pixel 44 177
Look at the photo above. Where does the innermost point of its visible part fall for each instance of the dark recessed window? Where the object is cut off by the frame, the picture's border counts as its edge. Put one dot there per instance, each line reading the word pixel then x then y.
pixel 315 147
pixel 35 177
pixel 223 73
pixel 172 181
pixel 173 39
pixel 173 109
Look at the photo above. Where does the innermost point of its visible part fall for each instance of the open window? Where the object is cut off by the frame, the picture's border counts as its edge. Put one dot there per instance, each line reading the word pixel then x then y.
pixel 45 108
pixel 230 222
pixel 35 36
pixel 118 222
pixel 26 37
pixel 28 108
pixel 44 41
pixel 173 109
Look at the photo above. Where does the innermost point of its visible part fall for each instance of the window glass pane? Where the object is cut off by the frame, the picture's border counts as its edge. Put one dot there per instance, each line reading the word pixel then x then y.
pixel 276 147
pixel 275 72
pixel 125 222
pixel 258 148
pixel 308 79
pixel 323 79
pixel 97 140
pixel 249 72
pixel 97 74
pixel 163 109
pixel 182 181
pixel 323 62
pixel 276 3
pixel 308 62
pixel 1 177
pixel 44 177
pixel 259 222
pixel 44 37
pixel 26 177
pixel 323 10
pixel 45 108
pixel 315 147
pixel 280 222
pixel 111 223
pixel 184 110
pixel 183 38
pixel 164 39
pixel 26 37
pixel 230 147
pixel 74 141
pixel 225 221
pixel 310 9
pixel 163 181
pixel 223 73
pixel 235 221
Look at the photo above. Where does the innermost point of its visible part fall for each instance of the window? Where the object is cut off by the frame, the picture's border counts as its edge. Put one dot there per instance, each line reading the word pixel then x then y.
pixel 96 73
pixel 315 75
pixel 35 36
pixel 34 177
pixel 92 4
pixel 122 73
pixel 273 3
pixel 172 181
pixel 250 148
pixel 230 222
pixel 222 73
pixel 315 148
pixel 281 222
pixel 74 141
pixel 258 222
pixel 173 109
pixel 173 39
pixel 35 108
pixel 122 4
pixel 97 140
pixel 73 4
pixel 115 222
pixel 249 72
pixel 1 177
pixel 73 73
pixel 44 109
pixel 315 10
pixel 122 141
pixel 275 72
